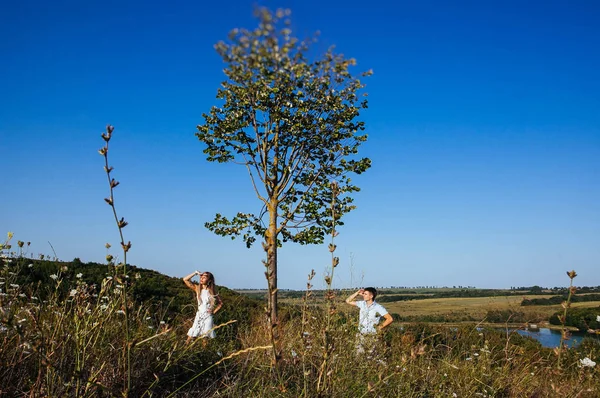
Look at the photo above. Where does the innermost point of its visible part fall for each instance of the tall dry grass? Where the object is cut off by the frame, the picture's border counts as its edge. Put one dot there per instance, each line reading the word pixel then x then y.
pixel 65 338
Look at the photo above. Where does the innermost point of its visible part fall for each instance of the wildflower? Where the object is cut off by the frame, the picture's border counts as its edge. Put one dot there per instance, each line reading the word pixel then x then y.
pixel 13 285
pixel 148 318
pixel 34 298
pixel 586 362
pixel 119 286
pixel 138 276
pixel 294 354
pixel 475 354
pixel 30 265
pixel 22 295
pixel 597 318
pixel 64 268
pixel 73 292
pixel 79 275
pixel 109 278
pixel 54 276
pixel 120 312
pixel 103 307
pixel 454 395
pixel 468 359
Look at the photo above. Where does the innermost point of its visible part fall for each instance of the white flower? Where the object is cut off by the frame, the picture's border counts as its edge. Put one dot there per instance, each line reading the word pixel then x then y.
pixel 586 362
pixel 22 295
pixel 120 312
pixel 475 354
pixel 79 275
pixel 103 307
pixel 454 395
pixel 468 359
pixel 54 276
pixel 73 292
pixel 597 318
pixel 162 322
pixel 30 265
pixel 13 285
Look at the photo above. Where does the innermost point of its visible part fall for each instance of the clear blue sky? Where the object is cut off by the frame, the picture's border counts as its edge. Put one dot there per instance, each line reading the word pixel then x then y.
pixel 484 131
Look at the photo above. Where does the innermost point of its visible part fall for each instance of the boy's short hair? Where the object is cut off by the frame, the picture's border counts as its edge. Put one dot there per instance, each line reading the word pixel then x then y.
pixel 371 290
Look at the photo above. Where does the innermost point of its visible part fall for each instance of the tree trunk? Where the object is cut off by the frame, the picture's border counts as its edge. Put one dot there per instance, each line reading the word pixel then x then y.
pixel 271 242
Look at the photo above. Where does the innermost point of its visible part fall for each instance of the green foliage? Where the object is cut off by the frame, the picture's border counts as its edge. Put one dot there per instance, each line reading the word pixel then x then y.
pixel 292 123
pixel 502 316
pixel 581 318
pixel 168 295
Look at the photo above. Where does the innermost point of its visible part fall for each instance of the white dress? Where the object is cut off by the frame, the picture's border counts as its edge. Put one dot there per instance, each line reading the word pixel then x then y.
pixel 203 323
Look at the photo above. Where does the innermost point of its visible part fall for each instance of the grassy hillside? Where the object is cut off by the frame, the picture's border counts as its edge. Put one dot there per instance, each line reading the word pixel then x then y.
pixel 63 332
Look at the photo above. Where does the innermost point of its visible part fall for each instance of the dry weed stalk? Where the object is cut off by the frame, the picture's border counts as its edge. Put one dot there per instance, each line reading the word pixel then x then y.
pixel 112 183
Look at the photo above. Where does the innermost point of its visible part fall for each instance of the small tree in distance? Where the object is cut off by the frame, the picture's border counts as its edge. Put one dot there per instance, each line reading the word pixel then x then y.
pixel 292 123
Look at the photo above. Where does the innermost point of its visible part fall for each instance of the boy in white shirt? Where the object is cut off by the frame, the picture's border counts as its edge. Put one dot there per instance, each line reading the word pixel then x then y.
pixel 369 316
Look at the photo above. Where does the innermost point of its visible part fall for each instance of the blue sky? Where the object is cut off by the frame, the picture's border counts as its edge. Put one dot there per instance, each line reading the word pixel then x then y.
pixel 484 132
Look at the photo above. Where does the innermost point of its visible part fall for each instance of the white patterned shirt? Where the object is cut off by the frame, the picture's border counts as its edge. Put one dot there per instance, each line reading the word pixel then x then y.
pixel 369 316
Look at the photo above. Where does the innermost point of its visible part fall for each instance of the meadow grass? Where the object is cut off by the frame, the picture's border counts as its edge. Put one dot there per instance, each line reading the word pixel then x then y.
pixel 65 339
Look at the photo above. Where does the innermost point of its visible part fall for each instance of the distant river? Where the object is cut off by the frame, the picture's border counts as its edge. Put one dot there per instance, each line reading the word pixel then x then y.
pixel 551 338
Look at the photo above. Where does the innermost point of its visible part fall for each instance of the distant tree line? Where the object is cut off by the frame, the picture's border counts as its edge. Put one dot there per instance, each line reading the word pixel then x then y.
pixel 554 300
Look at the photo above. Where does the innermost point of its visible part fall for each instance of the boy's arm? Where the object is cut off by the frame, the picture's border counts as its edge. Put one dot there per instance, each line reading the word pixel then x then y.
pixel 350 299
pixel 388 319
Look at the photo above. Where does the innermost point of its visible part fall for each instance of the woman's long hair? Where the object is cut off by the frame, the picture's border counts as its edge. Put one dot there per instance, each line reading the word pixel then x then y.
pixel 210 286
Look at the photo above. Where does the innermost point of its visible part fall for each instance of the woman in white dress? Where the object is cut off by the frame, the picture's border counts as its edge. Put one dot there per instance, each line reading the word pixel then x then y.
pixel 209 303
